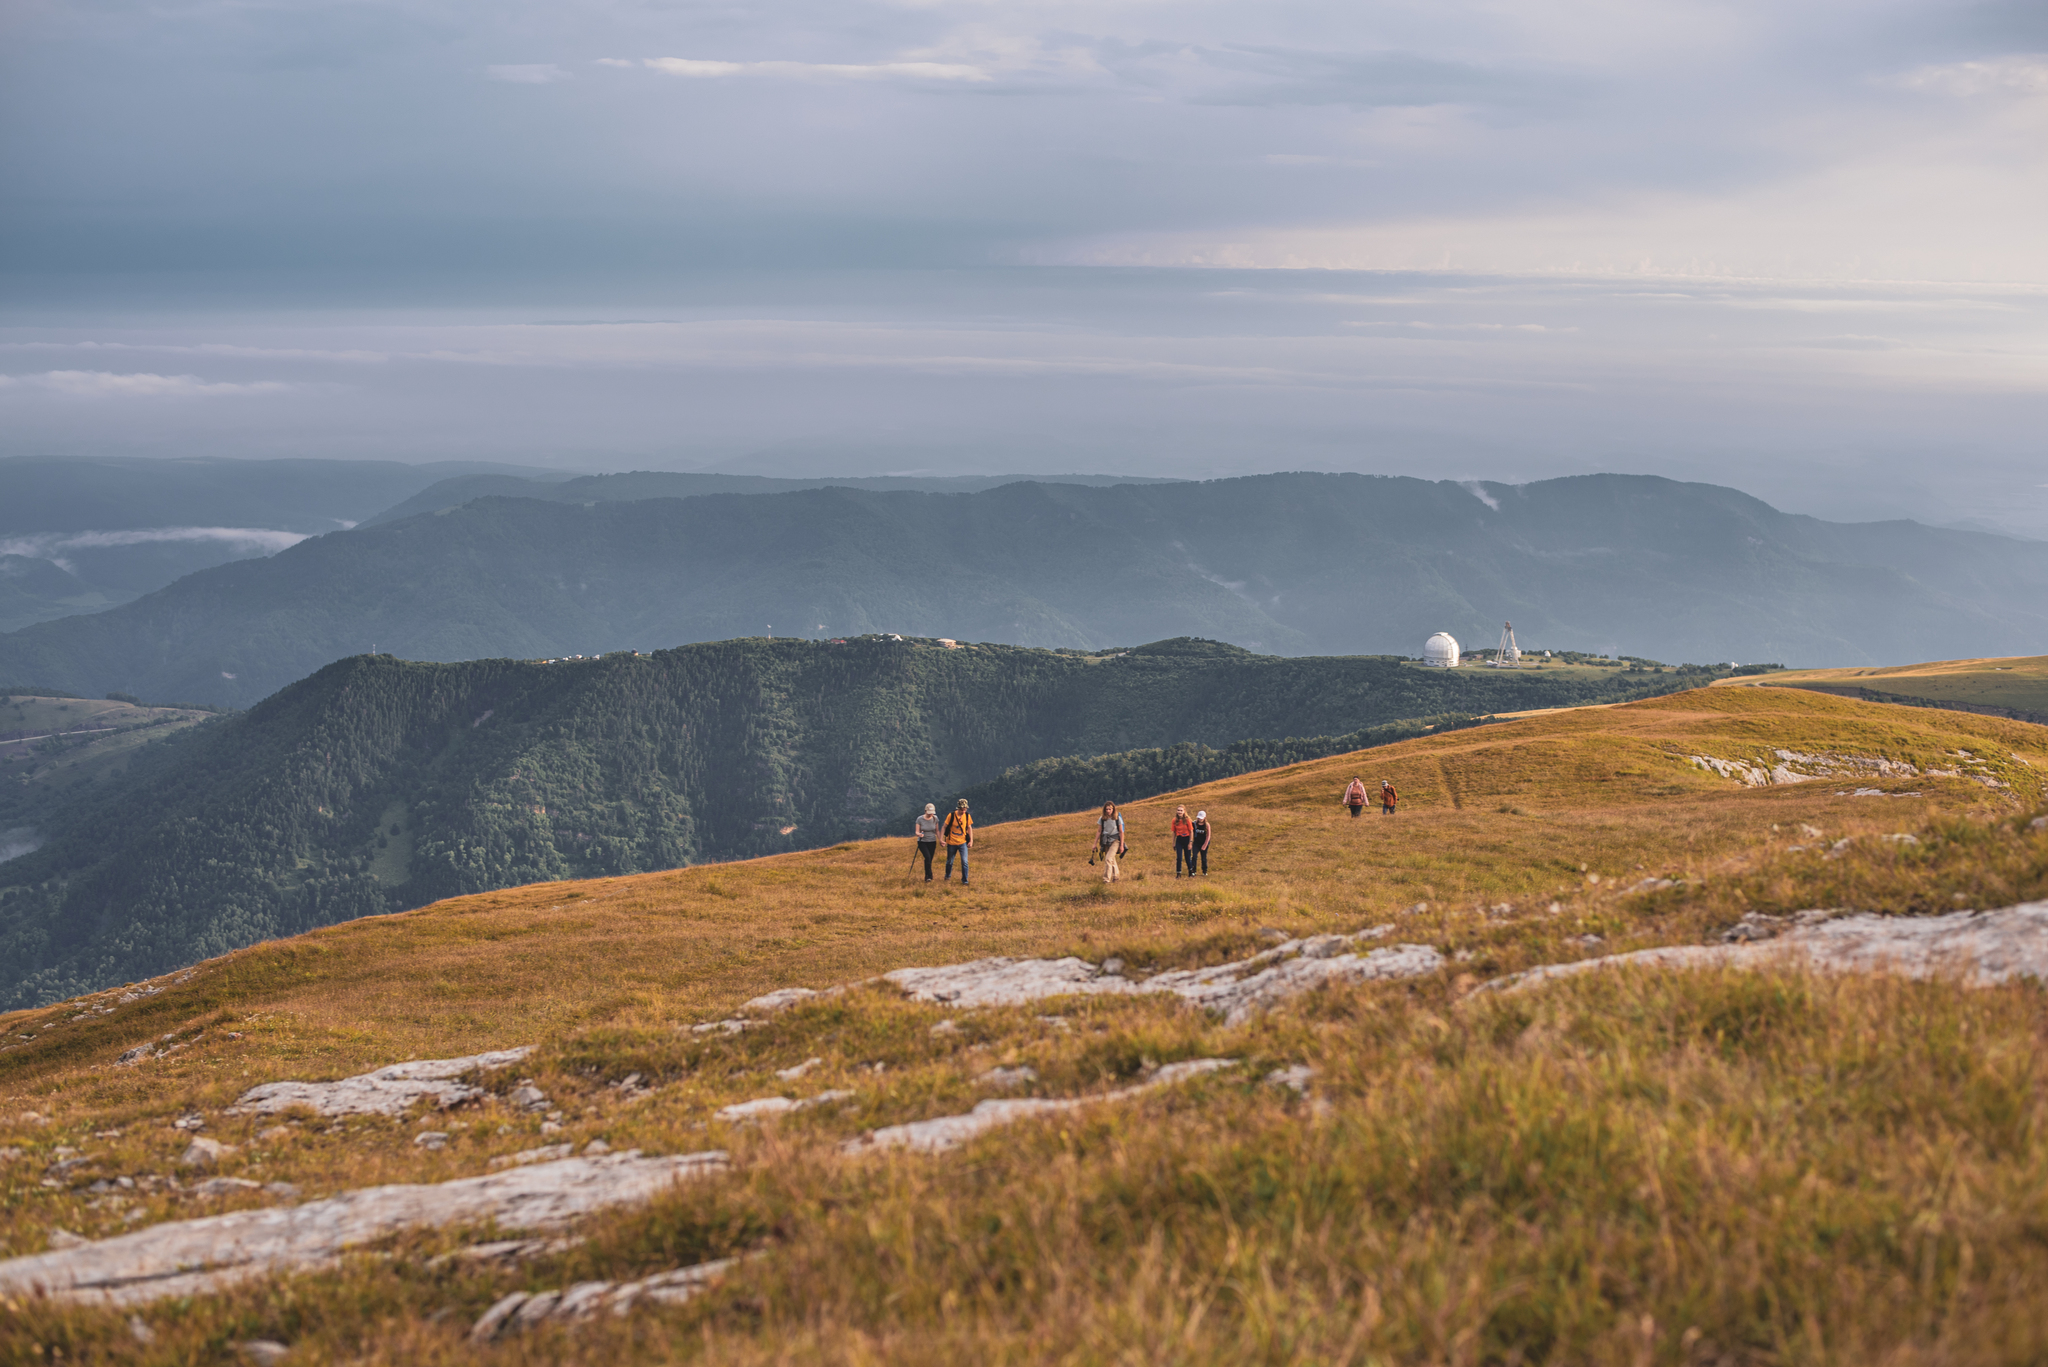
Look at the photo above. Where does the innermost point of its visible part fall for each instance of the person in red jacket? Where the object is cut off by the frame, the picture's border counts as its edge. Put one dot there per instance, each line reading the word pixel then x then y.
pixel 1387 798
pixel 1354 797
pixel 1183 842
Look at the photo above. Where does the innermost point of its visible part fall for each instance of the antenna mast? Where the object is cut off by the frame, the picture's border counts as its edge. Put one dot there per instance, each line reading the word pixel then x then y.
pixel 1508 655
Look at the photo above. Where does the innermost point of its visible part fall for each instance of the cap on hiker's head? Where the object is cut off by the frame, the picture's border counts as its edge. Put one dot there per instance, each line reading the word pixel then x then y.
pixel 1201 816
pixel 930 807
pixel 963 804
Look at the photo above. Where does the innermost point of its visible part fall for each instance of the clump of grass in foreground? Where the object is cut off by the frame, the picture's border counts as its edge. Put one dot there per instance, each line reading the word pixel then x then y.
pixel 1952 862
pixel 1651 1167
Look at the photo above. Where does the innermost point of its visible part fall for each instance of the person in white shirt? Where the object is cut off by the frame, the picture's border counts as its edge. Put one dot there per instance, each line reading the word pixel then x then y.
pixel 928 837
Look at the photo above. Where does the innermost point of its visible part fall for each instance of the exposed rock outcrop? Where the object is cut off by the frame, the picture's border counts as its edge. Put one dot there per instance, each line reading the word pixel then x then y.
pixel 950 1131
pixel 388 1091
pixel 1978 947
pixel 522 1309
pixel 187 1257
pixel 763 1107
pixel 1235 991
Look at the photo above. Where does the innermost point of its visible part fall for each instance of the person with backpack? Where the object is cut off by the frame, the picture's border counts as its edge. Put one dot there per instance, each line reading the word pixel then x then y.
pixel 928 837
pixel 1183 842
pixel 958 835
pixel 1198 843
pixel 1387 798
pixel 1354 797
pixel 1109 842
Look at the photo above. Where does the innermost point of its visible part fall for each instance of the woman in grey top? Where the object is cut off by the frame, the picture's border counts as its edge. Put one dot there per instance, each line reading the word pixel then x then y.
pixel 928 838
pixel 1109 842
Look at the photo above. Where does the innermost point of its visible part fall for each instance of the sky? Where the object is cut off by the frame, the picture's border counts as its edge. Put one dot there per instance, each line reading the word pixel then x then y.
pixel 1793 246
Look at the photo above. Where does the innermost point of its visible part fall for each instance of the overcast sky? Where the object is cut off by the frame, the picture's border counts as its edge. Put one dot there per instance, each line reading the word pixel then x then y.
pixel 1796 245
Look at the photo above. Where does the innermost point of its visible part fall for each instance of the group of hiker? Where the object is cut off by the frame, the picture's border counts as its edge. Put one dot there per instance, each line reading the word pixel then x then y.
pixel 1191 838
pixel 955 832
pixel 1354 797
pixel 1191 835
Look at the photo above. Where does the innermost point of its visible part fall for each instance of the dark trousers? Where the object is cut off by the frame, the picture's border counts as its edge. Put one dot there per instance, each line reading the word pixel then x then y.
pixel 1386 809
pixel 927 848
pixel 1356 808
pixel 1183 853
pixel 1203 855
pixel 960 850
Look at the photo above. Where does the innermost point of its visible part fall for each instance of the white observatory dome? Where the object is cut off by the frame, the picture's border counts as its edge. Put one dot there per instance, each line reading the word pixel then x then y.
pixel 1441 651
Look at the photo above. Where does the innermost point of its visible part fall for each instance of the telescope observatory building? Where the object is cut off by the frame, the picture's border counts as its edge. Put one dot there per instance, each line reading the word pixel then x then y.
pixel 1441 651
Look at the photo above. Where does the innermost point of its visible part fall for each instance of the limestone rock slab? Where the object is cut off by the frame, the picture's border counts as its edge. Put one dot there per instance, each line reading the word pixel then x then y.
pixel 1978 947
pixel 387 1091
pixel 1236 991
pixel 520 1309
pixel 951 1131
pixel 186 1257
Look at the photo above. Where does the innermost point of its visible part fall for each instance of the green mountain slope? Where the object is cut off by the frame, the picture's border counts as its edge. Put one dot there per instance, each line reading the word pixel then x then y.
pixel 1287 564
pixel 379 784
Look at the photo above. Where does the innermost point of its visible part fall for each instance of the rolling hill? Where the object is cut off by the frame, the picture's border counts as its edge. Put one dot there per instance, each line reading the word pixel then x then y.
pixel 379 784
pixel 2010 686
pixel 1284 564
pixel 1715 1165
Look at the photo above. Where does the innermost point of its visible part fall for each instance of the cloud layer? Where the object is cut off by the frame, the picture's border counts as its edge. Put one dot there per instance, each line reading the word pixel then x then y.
pixel 1794 243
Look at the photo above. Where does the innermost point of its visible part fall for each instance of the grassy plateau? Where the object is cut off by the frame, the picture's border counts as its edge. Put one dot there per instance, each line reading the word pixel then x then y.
pixel 2012 683
pixel 1622 1168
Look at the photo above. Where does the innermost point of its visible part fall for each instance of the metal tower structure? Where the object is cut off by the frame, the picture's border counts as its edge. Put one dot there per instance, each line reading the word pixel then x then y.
pixel 1508 655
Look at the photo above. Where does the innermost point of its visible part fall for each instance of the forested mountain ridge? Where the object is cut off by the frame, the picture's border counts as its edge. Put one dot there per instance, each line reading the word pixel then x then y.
pixel 1287 564
pixel 630 486
pixel 81 534
pixel 379 784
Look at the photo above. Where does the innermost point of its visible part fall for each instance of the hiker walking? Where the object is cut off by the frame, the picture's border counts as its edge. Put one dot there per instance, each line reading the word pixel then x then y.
pixel 928 837
pixel 1387 798
pixel 958 835
pixel 1198 843
pixel 1354 797
pixel 1183 842
pixel 1109 842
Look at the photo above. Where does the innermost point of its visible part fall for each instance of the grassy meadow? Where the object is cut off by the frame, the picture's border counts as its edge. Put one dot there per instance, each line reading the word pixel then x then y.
pixel 1620 1168
pixel 2016 683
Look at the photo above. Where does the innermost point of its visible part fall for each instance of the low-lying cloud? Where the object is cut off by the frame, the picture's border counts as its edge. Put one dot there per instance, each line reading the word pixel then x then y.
pixel 96 384
pixel 53 545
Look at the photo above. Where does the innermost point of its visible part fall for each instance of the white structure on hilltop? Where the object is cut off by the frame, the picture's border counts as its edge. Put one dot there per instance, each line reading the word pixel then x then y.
pixel 1441 651
pixel 1509 655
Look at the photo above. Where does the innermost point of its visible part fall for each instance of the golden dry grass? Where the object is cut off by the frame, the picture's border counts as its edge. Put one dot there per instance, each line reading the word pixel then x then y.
pixel 1641 1168
pixel 2018 682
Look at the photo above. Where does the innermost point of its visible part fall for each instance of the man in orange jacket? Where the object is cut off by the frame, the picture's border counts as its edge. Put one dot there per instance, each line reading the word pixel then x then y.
pixel 957 835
